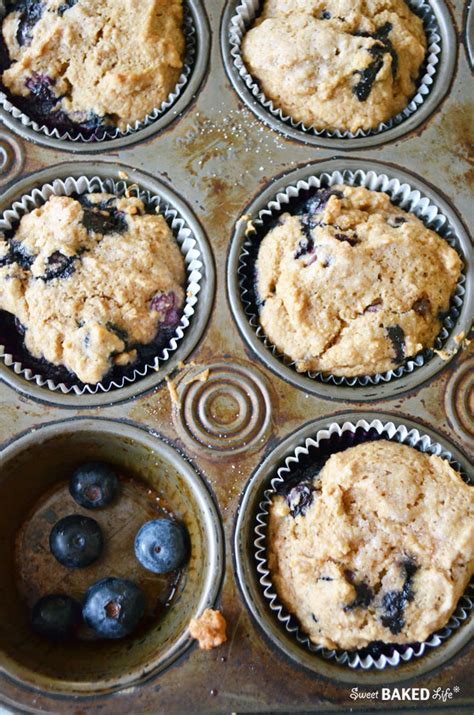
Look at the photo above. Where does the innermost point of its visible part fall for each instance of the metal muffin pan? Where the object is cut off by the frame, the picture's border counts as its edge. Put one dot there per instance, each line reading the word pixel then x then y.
pixel 216 159
pixel 48 454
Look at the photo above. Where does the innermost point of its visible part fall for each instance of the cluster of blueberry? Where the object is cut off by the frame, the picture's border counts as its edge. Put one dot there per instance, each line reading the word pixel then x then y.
pixel 112 607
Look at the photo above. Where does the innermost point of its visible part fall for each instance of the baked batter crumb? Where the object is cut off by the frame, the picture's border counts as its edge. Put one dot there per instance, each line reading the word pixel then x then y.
pixel 209 629
pixel 377 546
pixel 352 285
pixel 173 391
pixel 200 377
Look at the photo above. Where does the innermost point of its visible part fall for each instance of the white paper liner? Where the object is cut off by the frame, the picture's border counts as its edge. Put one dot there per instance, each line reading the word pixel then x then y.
pixel 248 10
pixel 355 659
pixel 402 195
pixel 182 233
pixel 110 133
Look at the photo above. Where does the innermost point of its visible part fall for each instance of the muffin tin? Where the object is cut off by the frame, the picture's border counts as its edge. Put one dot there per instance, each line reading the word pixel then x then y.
pixel 211 440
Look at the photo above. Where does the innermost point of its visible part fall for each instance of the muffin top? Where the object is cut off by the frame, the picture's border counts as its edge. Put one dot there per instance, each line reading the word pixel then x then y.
pixel 89 279
pixel 336 64
pixel 377 547
pixel 111 62
pixel 353 285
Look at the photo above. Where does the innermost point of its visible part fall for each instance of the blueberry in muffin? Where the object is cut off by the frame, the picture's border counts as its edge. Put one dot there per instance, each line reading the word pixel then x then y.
pixel 94 282
pixel 77 64
pixel 336 65
pixel 351 285
pixel 382 549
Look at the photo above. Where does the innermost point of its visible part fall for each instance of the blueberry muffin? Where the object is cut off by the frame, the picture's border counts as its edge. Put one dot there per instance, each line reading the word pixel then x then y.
pixel 84 64
pixel 90 280
pixel 376 547
pixel 353 285
pixel 337 64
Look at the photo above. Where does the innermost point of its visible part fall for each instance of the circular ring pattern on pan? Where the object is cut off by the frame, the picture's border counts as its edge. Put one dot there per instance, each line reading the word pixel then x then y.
pixel 439 71
pixel 11 156
pixel 198 36
pixel 228 412
pixel 459 400
pixel 50 452
pixel 413 194
pixel 249 540
pixel 200 275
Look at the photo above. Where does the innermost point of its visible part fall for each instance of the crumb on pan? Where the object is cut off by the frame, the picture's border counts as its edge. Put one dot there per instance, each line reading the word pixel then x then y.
pixel 202 376
pixel 123 175
pixel 209 629
pixel 172 390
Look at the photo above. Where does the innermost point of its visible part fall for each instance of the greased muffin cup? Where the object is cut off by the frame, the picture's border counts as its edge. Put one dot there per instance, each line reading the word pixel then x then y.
pixel 190 31
pixel 193 259
pixel 437 56
pixel 335 437
pixel 401 194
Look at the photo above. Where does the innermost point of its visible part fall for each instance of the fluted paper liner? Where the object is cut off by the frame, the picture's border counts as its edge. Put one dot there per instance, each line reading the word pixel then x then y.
pixel 402 195
pixel 248 10
pixel 182 233
pixel 378 656
pixel 107 133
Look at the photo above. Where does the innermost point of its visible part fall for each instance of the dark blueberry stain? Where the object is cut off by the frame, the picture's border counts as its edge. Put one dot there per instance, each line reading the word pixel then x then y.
pixel 396 221
pixel 397 337
pixel 59 266
pixel 314 618
pixel 368 75
pixel 394 602
pixel 102 217
pixel 364 593
pixel 422 306
pixel 119 332
pixel 325 578
pixel 318 200
pixel 30 12
pixel 351 240
pixel 17 254
pixel 66 6
pixel 306 245
pixel 325 15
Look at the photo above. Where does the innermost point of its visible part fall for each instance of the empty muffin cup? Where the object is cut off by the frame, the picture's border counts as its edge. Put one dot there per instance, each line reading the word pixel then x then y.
pixel 294 458
pixel 433 82
pixel 290 192
pixel 154 360
pixel 89 135
pixel 154 481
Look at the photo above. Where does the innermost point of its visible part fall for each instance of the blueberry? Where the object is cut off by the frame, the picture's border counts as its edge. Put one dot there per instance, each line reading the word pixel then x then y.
pixel 299 498
pixel 59 266
pixel 56 616
pixel 93 485
pixel 113 607
pixel 102 217
pixel 167 305
pixel 368 75
pixel 30 12
pixel 396 335
pixel 394 602
pixel 364 594
pixel 161 545
pixel 351 240
pixel 76 541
